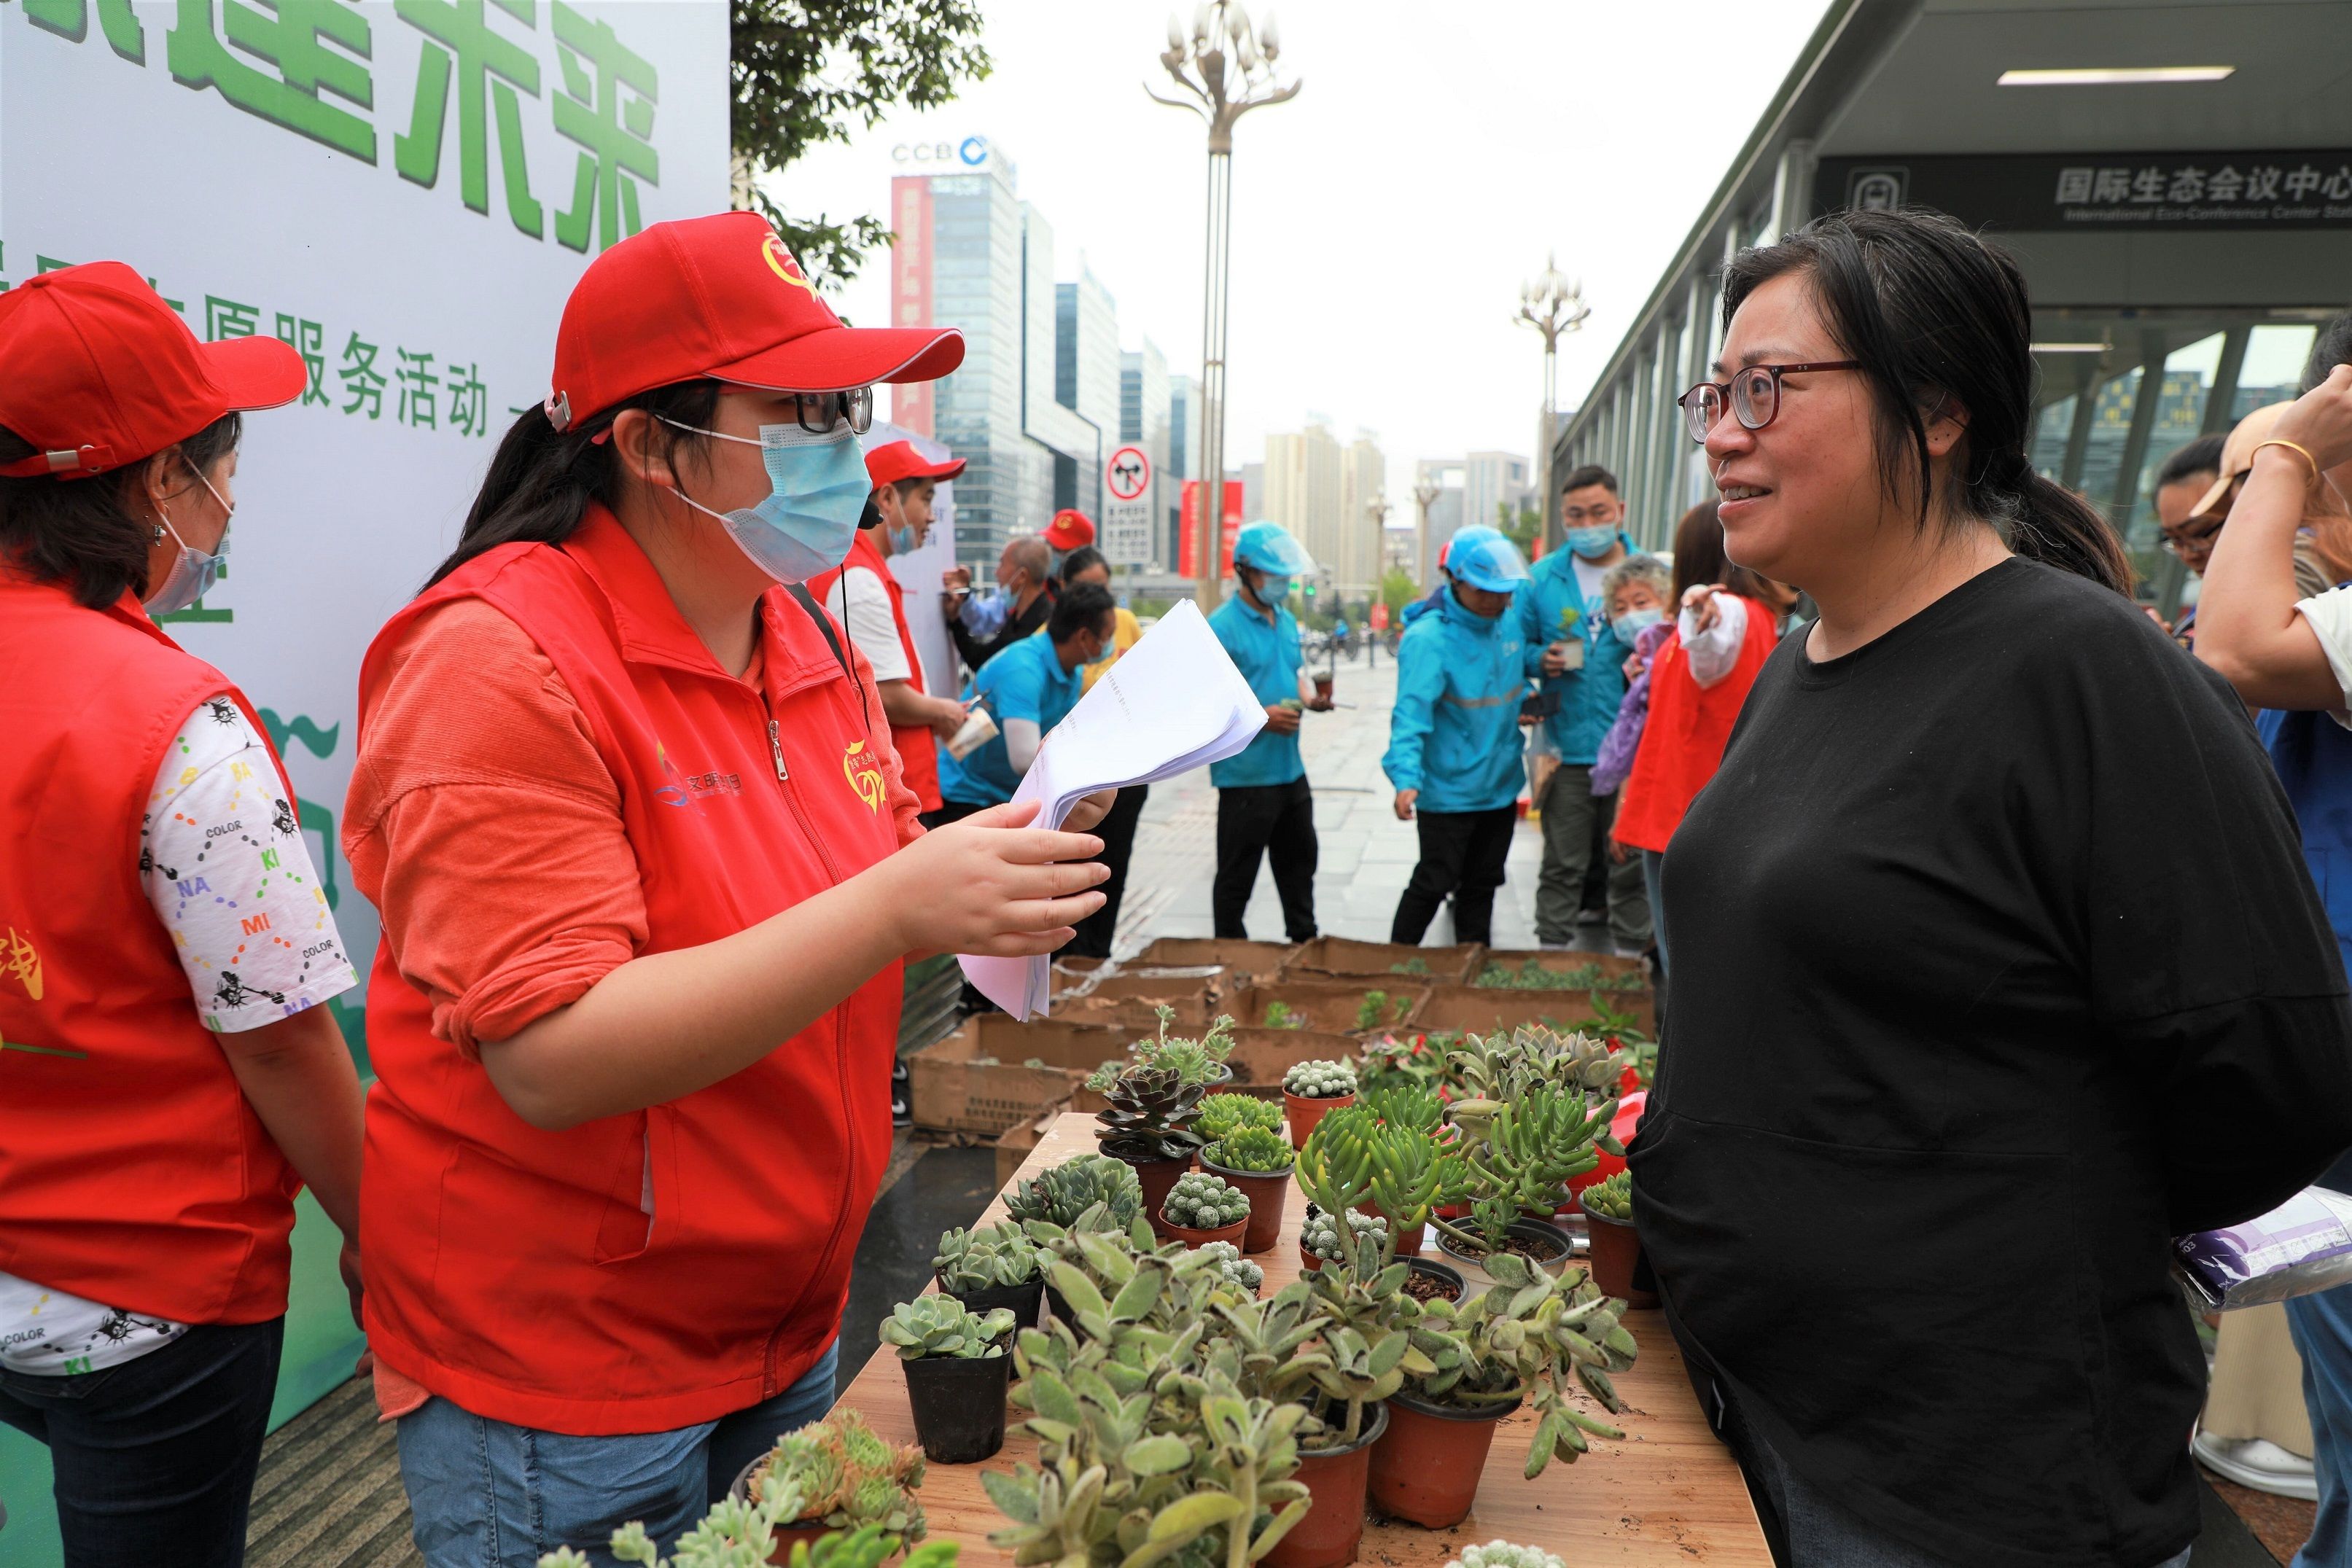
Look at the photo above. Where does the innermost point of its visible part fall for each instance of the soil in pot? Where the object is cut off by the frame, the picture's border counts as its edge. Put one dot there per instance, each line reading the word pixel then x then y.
pixel 1428 1282
pixel 1616 1254
pixel 1425 1467
pixel 1334 1526
pixel 959 1403
pixel 1540 1244
pixel 1191 1238
pixel 1302 1115
pixel 1268 1192
pixel 1020 1299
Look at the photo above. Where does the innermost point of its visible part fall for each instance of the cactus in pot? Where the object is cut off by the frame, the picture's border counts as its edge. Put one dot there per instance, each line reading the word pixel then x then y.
pixel 1320 1081
pixel 1320 1234
pixel 1204 1202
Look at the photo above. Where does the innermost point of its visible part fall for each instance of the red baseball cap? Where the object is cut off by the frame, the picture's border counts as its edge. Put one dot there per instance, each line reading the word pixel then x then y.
pixel 97 371
pixel 1070 529
pixel 899 460
pixel 719 296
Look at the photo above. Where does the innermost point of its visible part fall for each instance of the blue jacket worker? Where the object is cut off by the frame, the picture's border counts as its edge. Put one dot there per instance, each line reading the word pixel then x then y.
pixel 1579 660
pixel 1453 737
pixel 1027 688
pixel 1264 807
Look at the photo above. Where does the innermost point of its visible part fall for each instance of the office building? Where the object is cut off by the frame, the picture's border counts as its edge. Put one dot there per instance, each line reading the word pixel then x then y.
pixel 1251 476
pixel 1364 481
pixel 1183 444
pixel 1085 382
pixel 1494 488
pixel 1144 420
pixel 1441 517
pixel 1302 490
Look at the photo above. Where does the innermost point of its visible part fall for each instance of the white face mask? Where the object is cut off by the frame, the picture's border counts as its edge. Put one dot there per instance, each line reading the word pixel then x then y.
pixel 193 571
pixel 816 492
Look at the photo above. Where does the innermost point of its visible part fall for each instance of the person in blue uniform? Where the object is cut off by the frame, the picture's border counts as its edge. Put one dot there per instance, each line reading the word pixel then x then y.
pixel 1028 689
pixel 1453 737
pixel 1264 806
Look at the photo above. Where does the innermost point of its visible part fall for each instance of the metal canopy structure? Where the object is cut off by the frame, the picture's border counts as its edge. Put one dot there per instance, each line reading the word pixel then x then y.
pixel 2181 239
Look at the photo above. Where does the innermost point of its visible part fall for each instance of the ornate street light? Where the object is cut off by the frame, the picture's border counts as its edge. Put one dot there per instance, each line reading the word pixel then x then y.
pixel 1226 66
pixel 1552 306
pixel 1376 512
pixel 1425 496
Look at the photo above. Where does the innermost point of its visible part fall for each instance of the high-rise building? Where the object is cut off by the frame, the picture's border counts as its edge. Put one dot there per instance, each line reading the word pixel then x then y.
pixel 1363 479
pixel 1183 449
pixel 1443 515
pixel 1144 420
pixel 1303 489
pixel 1494 488
pixel 1085 382
pixel 1252 477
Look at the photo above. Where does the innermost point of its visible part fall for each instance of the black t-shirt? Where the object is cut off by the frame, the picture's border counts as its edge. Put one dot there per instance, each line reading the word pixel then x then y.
pixel 1996 964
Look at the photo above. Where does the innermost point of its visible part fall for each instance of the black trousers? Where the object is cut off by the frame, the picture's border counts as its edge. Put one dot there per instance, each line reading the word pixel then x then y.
pixel 1462 853
pixel 154 1457
pixel 1277 821
pixel 1117 832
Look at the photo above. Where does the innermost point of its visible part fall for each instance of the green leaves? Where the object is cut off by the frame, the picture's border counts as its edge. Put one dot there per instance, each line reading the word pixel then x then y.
pixel 1157 1455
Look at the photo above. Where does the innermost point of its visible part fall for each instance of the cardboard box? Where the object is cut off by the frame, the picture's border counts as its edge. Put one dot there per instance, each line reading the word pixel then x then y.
pixel 1483 1010
pixel 1241 962
pixel 1608 964
pixel 1136 1015
pixel 1176 986
pixel 1329 1006
pixel 1345 956
pixel 1261 1056
pixel 1014 1143
pixel 956 1091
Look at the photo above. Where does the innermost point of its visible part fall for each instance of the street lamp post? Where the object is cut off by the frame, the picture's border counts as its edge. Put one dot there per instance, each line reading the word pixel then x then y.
pixel 1552 306
pixel 1227 65
pixel 1376 511
pixel 1425 496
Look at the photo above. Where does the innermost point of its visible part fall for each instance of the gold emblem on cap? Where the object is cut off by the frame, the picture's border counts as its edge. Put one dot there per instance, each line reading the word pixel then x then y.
pixel 780 261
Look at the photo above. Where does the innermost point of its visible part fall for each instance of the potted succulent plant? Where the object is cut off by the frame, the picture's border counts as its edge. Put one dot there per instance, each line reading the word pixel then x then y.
pixel 737 1531
pixel 1147 1121
pixel 1200 1208
pixel 957 1373
pixel 1310 1090
pixel 1319 1238
pixel 844 1477
pixel 1503 1554
pixel 992 1266
pixel 1515 1154
pixel 1238 1270
pixel 1616 1245
pixel 1519 1340
pixel 1255 1161
pixel 1199 1062
pixel 1225 1113
pixel 1059 1194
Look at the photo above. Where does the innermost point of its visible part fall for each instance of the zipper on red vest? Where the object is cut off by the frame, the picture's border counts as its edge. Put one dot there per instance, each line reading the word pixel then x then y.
pixel 776 750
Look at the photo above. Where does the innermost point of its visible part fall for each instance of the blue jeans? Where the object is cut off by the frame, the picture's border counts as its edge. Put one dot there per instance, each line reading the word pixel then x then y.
pixel 2322 1327
pixel 486 1494
pixel 155 1458
pixel 1653 865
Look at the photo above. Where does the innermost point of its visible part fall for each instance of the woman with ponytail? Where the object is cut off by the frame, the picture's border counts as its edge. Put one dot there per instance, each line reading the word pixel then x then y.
pixel 1937 1089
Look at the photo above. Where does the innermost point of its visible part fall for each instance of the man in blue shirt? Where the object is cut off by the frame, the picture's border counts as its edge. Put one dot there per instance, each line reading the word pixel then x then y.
pixel 1027 688
pixel 1453 737
pixel 1264 806
pixel 1564 621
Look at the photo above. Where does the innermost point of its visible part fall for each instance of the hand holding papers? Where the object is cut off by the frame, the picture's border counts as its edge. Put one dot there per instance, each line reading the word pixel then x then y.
pixel 1172 703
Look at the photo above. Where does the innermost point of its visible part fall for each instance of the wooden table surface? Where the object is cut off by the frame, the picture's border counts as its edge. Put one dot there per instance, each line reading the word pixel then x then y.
pixel 1669 1493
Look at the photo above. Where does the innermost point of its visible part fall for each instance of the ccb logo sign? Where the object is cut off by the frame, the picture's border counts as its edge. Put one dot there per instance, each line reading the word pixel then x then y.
pixel 971 152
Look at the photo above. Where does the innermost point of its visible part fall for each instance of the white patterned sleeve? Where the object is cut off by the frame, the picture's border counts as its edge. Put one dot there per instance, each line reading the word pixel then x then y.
pixel 227 872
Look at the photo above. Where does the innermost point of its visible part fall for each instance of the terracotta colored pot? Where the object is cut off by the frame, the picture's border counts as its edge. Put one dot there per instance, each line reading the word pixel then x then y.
pixel 1157 1177
pixel 1334 1526
pixel 1408 1243
pixel 1191 1238
pixel 1425 1468
pixel 1307 1262
pixel 1267 1191
pixel 1616 1253
pixel 1304 1113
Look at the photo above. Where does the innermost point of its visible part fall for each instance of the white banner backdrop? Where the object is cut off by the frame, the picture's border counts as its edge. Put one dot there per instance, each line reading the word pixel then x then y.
pixel 407 196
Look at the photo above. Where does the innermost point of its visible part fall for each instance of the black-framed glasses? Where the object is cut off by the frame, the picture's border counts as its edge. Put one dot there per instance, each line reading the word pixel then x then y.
pixel 2188 545
pixel 817 411
pixel 1753 394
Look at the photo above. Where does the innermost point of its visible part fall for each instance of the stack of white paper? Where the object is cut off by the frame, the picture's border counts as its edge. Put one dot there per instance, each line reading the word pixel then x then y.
pixel 1173 702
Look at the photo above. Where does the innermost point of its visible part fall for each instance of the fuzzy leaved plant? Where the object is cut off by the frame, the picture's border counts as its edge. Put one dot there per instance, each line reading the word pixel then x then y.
pixel 1319 1080
pixel 1222 1115
pixel 1059 1194
pixel 1255 1150
pixel 736 1533
pixel 1505 1554
pixel 1204 1202
pixel 1237 1269
pixel 942 1326
pixel 1611 1198
pixel 846 1475
pixel 989 1257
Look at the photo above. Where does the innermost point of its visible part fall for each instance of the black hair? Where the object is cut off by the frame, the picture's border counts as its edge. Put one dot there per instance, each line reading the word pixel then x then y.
pixel 1938 318
pixel 1699 558
pixel 83 532
pixel 2202 455
pixel 1085 558
pixel 2332 347
pixel 1082 607
pixel 1588 474
pixel 541 479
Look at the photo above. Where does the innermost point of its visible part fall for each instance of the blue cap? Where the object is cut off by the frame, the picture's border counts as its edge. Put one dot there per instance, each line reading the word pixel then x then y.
pixel 1481 557
pixel 1268 546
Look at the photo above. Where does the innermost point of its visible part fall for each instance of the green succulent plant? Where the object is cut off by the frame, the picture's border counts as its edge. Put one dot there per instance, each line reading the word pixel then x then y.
pixel 942 1326
pixel 1611 1198
pixel 1319 1080
pixel 1519 1155
pixel 989 1257
pixel 1400 1104
pixel 1496 1068
pixel 1199 1062
pixel 1354 1156
pixel 1503 1554
pixel 1237 1269
pixel 737 1534
pixel 1281 1015
pixel 1369 1010
pixel 1059 1194
pixel 1320 1233
pixel 1252 1149
pixel 1410 967
pixel 1203 1202
pixel 1223 1113
pixel 1531 976
pixel 844 1474
pixel 1148 1115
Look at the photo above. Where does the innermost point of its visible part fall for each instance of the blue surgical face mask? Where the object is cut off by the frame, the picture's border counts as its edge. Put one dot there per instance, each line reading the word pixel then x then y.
pixel 1592 543
pixel 817 490
pixel 1272 591
pixel 902 539
pixel 1634 623
pixel 193 571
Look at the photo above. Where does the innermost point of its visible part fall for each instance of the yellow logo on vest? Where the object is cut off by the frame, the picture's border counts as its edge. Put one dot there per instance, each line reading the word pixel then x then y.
pixel 865 776
pixel 21 962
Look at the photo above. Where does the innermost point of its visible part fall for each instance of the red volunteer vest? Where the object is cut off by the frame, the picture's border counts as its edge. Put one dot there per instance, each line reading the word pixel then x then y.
pixel 647 1272
pixel 918 748
pixel 131 1169
pixel 1682 740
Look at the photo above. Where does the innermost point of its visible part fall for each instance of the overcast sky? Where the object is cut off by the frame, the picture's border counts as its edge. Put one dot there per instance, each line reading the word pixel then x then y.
pixel 1384 219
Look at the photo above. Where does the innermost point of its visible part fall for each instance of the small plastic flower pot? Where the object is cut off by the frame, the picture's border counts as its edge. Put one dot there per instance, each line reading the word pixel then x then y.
pixel 1616 1255
pixel 959 1403
pixel 1425 1467
pixel 1451 1279
pixel 1533 1230
pixel 1267 1191
pixel 1338 1478
pixel 1196 1238
pixel 1303 1113
pixel 1021 1300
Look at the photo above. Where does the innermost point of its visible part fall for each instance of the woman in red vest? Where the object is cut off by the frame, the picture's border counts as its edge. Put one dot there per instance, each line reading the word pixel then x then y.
pixel 1729 625
pixel 647 866
pixel 167 1080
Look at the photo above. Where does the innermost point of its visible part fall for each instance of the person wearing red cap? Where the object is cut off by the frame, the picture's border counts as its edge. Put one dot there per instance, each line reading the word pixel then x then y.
pixel 167 1080
pixel 647 867
pixel 1070 529
pixel 869 604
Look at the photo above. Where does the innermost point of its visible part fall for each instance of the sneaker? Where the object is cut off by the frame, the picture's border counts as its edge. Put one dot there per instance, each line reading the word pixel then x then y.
pixel 902 1100
pixel 1593 917
pixel 2257 1463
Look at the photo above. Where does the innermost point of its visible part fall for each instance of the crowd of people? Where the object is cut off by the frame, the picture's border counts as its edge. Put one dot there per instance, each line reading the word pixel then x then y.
pixel 1980 900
